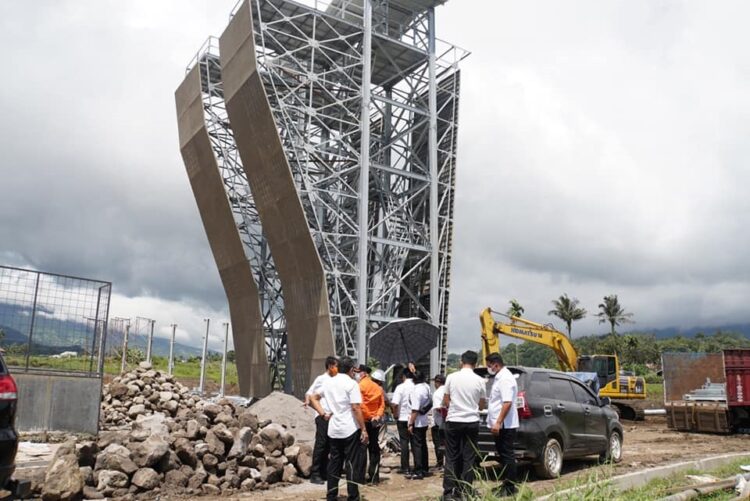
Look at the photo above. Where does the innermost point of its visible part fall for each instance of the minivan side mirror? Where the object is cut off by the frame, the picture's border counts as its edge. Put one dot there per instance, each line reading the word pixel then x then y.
pixel 604 401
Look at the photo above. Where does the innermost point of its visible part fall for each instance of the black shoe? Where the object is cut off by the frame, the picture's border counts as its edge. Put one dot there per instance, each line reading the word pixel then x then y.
pixel 315 479
pixel 416 476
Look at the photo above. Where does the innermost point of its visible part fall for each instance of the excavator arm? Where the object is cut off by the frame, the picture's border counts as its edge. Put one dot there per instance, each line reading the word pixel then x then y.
pixel 520 328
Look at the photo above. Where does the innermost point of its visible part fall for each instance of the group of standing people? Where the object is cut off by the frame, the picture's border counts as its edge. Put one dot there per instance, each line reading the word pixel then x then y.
pixel 350 402
pixel 465 396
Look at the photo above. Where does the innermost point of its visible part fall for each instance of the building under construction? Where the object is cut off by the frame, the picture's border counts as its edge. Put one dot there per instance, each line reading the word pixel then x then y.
pixel 320 143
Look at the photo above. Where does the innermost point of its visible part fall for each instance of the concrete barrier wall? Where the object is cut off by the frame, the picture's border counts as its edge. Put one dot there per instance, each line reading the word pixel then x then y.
pixel 55 402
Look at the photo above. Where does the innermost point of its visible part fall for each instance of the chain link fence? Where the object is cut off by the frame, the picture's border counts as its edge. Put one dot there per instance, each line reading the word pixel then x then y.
pixel 52 322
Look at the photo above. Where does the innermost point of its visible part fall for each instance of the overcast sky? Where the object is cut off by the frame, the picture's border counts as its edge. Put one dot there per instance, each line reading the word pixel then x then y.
pixel 603 149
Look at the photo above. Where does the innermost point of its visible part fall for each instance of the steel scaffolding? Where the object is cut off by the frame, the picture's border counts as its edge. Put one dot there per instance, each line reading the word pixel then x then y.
pixel 365 100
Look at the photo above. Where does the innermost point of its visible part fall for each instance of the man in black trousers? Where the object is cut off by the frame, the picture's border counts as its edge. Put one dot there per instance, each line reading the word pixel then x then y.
pixel 420 404
pixel 502 420
pixel 465 395
pixel 346 430
pixel 322 448
pixel 401 410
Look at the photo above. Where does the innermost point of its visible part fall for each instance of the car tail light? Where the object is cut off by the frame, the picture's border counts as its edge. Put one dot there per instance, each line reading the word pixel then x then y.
pixel 8 389
pixel 522 405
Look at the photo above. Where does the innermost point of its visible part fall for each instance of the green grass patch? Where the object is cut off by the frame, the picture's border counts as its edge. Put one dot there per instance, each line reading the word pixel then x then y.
pixel 662 487
pixel 189 369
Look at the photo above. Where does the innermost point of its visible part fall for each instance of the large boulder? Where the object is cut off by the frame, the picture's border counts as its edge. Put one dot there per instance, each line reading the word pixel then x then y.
pixel 249 420
pixel 304 460
pixel 146 479
pixel 270 475
pixel 241 442
pixel 222 433
pixel 290 474
pixel 136 410
pixel 111 480
pixel 212 410
pixel 215 445
pixel 271 439
pixel 155 424
pixel 115 457
pixel 87 453
pixel 291 453
pixel 63 480
pixel 118 390
pixel 176 478
pixel 192 428
pixel 150 452
pixel 185 451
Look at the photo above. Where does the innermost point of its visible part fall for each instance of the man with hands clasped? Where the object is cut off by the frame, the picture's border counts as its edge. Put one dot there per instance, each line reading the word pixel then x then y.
pixel 502 419
pixel 346 429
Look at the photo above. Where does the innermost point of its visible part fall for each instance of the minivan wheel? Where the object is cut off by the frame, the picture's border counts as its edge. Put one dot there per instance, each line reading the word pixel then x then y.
pixel 613 454
pixel 552 460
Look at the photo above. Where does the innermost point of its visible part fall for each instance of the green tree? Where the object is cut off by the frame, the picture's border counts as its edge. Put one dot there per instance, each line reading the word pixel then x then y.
pixel 567 310
pixel 515 310
pixel 612 311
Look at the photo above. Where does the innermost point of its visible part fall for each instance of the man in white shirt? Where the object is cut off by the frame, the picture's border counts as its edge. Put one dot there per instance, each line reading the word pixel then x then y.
pixel 502 419
pixel 322 448
pixel 402 412
pixel 465 395
pixel 420 402
pixel 346 430
pixel 438 419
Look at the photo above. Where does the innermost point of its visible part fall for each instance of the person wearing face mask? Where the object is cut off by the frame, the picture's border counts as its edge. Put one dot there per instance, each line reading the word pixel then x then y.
pixel 346 430
pixel 373 410
pixel 402 412
pixel 322 448
pixel 502 419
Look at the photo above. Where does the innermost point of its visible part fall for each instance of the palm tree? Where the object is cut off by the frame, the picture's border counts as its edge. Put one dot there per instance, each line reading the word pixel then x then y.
pixel 613 312
pixel 567 310
pixel 515 310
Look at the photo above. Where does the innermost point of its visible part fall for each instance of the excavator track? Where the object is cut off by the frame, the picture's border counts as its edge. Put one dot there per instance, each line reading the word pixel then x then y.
pixel 630 410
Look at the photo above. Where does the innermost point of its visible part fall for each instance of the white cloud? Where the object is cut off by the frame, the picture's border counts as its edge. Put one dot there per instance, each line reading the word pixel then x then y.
pixel 603 149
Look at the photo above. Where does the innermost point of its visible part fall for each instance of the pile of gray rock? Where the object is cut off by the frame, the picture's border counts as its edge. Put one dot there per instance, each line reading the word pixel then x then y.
pixel 144 391
pixel 199 447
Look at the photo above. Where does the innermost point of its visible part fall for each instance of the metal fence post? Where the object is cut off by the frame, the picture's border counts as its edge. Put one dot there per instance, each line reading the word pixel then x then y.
pixel 33 318
pixel 224 359
pixel 201 386
pixel 124 363
pixel 170 364
pixel 150 342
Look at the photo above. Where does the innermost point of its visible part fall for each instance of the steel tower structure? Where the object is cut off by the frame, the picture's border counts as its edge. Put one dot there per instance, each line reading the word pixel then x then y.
pixel 363 101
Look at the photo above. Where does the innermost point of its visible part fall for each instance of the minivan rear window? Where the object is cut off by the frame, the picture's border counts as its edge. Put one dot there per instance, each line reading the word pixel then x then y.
pixel 561 389
pixel 539 386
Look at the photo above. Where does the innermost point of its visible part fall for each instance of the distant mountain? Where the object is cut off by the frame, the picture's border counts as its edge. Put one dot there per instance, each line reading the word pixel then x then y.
pixel 160 347
pixel 68 335
pixel 668 332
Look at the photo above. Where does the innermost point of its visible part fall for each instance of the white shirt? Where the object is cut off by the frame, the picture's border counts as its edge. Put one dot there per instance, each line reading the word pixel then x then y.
pixel 341 392
pixel 401 398
pixel 466 389
pixel 315 389
pixel 419 397
pixel 437 406
pixel 504 389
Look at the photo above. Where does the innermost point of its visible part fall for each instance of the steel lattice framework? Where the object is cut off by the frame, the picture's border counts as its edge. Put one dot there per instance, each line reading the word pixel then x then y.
pixel 365 100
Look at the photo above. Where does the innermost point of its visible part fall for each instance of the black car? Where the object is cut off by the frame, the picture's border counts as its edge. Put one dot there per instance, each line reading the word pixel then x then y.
pixel 8 435
pixel 560 417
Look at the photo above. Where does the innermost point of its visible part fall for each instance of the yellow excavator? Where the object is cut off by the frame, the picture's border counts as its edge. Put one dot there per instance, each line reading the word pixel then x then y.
pixel 624 391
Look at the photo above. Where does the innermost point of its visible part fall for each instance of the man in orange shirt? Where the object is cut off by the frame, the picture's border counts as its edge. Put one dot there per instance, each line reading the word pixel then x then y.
pixel 373 410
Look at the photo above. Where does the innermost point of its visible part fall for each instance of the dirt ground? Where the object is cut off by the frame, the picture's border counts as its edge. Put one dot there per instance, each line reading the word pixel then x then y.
pixel 646 444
